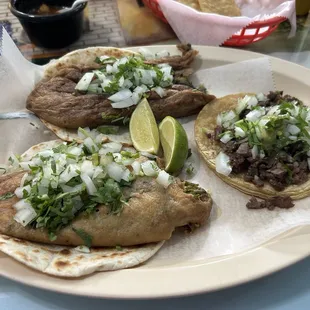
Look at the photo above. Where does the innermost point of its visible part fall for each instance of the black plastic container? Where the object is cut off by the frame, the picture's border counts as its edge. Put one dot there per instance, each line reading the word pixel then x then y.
pixel 49 31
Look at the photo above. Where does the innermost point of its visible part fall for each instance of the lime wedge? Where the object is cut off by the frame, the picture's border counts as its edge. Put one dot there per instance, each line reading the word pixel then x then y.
pixel 174 142
pixel 143 128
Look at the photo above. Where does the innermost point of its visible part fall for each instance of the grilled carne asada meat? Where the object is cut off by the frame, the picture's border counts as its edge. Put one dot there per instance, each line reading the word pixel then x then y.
pixel 279 168
pixel 283 202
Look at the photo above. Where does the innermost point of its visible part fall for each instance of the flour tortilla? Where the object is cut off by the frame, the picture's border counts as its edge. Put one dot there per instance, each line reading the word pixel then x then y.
pixel 221 7
pixel 84 58
pixel 69 135
pixel 209 149
pixel 63 261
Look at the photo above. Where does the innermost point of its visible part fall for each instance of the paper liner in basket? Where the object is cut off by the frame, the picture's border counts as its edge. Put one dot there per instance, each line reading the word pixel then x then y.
pixel 200 28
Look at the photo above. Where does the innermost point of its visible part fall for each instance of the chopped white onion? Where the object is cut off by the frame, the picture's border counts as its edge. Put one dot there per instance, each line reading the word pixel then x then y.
pixel 106 160
pixel 242 104
pixel 293 138
pixel 46 153
pixel 252 102
pixel 87 168
pixel 91 145
pixel 75 151
pixel 123 60
pixel 262 153
pixel 19 192
pixel 105 83
pixel 82 249
pixel 84 82
pixel 127 84
pixel 127 176
pixel 115 171
pixel 25 165
pixel 293 129
pixel 124 103
pixel 98 173
pixel 261 97
pixel 148 155
pixel 121 81
pixel 226 137
pixel 239 132
pixel 90 186
pixel 23 180
pixel 136 98
pixel 254 115
pixel 160 91
pixel 104 57
pixel 100 75
pixel 110 147
pixel 70 172
pixel 109 69
pixel 25 213
pixel 146 76
pixel 140 89
pixel 146 53
pixel 219 120
pixel 164 178
pixel 254 151
pixel 71 189
pixel 136 166
pixel 83 132
pixel 117 157
pixel 121 95
pixel 222 164
pixel 150 168
pixel 127 161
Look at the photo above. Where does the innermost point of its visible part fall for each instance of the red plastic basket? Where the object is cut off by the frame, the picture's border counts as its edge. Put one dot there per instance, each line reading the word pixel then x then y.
pixel 252 33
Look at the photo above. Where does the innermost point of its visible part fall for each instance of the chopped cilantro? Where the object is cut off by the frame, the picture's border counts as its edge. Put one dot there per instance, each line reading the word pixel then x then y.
pixel 87 239
pixel 6 196
pixel 108 129
pixel 190 169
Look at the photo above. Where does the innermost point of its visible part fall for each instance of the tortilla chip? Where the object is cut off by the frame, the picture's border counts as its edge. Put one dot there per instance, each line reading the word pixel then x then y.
pixel 209 149
pixel 192 3
pixel 63 261
pixel 221 7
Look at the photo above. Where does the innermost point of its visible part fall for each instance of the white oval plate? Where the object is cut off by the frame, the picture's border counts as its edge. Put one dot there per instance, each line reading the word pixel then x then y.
pixel 152 280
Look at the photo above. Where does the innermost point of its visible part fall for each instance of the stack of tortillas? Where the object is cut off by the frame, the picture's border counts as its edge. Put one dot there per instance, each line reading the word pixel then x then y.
pixel 221 7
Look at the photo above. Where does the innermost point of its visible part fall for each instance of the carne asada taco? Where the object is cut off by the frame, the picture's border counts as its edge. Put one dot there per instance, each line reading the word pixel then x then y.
pixel 99 85
pixel 95 194
pixel 258 144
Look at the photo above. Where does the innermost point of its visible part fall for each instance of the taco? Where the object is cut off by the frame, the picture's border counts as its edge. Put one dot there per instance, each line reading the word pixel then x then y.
pixel 99 85
pixel 258 144
pixel 95 193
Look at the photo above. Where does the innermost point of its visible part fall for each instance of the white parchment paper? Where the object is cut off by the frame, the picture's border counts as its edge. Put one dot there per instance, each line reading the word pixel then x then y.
pixel 232 227
pixel 212 29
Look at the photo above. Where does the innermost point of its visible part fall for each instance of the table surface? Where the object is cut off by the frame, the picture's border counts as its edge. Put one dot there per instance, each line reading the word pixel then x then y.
pixel 286 289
